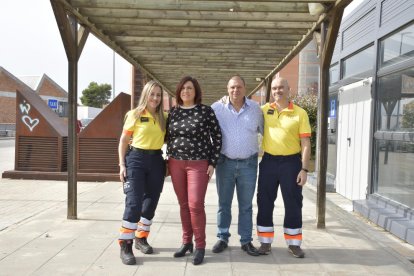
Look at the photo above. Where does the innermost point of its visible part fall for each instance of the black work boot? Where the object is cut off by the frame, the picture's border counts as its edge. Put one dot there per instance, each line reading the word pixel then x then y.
pixel 265 248
pixel 296 251
pixel 142 244
pixel 127 256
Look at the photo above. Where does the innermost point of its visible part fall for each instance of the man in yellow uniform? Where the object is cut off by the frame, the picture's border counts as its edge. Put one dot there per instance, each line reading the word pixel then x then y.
pixel 286 145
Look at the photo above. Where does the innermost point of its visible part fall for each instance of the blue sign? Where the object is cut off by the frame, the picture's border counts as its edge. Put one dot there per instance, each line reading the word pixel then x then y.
pixel 332 109
pixel 52 103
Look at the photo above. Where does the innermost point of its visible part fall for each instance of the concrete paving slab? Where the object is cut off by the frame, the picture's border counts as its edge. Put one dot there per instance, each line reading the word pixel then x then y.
pixel 37 239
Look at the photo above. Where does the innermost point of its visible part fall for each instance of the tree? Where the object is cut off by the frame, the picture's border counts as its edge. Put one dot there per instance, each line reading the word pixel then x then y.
pixel 309 102
pixel 96 95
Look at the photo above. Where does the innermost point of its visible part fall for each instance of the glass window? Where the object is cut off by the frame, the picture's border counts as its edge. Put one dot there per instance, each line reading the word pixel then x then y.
pixel 358 63
pixel 396 99
pixel 394 136
pixel 396 171
pixel 397 47
pixel 334 74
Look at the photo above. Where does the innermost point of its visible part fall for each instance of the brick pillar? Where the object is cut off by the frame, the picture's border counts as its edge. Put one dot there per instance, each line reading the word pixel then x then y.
pixel 139 79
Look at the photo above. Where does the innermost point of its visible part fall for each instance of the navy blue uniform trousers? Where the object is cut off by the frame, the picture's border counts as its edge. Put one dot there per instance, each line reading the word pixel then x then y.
pixel 275 171
pixel 143 186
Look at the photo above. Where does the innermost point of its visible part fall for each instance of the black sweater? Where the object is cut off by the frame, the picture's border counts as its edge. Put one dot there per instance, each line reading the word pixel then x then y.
pixel 193 134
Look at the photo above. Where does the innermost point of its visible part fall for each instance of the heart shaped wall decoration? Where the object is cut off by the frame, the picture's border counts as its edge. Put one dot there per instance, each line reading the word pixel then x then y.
pixel 29 122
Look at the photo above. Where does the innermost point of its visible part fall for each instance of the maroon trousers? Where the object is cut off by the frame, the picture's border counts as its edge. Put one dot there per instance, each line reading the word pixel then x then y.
pixel 190 179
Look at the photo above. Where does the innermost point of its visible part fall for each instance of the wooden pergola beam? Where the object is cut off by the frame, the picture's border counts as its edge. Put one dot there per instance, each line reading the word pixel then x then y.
pixel 211 26
pixel 200 15
pixel 204 23
pixel 128 34
pixel 177 48
pixel 339 4
pixel 65 30
pixel 206 58
pixel 83 34
pixel 110 28
pixel 108 41
pixel 248 6
pixel 212 68
pixel 128 41
pixel 241 53
pixel 209 46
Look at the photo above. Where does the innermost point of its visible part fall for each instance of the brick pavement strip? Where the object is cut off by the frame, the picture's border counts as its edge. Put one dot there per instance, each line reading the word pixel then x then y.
pixel 37 239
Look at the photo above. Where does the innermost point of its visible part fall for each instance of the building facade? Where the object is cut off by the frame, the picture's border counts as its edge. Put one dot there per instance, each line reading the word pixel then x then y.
pixel 308 77
pixel 371 114
pixel 302 74
pixel 54 95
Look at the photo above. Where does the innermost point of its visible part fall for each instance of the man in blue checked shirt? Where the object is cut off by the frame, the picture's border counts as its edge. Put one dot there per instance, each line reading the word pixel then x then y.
pixel 241 120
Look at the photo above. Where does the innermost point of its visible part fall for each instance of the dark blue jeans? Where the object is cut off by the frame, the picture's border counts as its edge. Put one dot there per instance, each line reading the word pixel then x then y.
pixel 240 174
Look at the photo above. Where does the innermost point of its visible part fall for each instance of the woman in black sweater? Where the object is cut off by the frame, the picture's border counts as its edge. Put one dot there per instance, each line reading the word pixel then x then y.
pixel 194 143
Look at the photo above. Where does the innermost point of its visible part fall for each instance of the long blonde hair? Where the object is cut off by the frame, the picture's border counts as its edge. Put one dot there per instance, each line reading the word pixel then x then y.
pixel 143 101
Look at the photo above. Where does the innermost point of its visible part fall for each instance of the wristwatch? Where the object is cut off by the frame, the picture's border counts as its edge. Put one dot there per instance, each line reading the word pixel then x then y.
pixel 306 170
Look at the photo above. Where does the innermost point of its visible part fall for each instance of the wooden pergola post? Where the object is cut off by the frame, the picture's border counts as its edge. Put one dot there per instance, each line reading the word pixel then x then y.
pixel 322 138
pixel 68 28
pixel 268 85
pixel 329 33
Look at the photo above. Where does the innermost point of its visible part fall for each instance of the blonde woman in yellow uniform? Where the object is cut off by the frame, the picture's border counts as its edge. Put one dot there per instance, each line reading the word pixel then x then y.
pixel 141 169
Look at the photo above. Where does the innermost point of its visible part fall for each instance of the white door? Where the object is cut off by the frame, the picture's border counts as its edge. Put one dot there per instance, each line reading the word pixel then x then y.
pixel 354 141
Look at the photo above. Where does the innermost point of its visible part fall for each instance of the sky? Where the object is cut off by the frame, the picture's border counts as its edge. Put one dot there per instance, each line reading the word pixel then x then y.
pixel 31 45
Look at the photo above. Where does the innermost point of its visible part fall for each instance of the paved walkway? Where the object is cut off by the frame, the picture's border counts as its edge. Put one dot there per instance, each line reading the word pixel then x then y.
pixel 37 239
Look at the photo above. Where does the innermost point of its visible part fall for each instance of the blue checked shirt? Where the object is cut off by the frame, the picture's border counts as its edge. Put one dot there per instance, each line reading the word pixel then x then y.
pixel 239 129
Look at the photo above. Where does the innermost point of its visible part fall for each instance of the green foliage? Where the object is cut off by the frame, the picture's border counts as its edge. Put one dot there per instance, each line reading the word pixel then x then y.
pixel 309 102
pixel 96 95
pixel 408 118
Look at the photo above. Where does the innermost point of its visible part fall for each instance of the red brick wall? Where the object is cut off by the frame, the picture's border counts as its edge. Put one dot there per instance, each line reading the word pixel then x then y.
pixel 8 104
pixel 9 84
pixel 291 73
pixel 166 101
pixel 8 110
pixel 49 89
pixel 139 79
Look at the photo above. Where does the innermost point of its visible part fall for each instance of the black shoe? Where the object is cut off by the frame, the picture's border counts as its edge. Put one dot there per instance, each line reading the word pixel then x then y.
pixel 127 256
pixel 183 249
pixel 198 256
pixel 219 246
pixel 250 249
pixel 142 244
pixel 296 251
